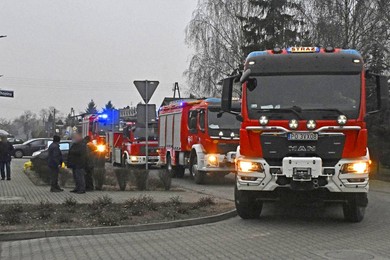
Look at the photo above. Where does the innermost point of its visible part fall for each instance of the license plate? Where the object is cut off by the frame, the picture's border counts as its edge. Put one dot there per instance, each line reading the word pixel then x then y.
pixel 302 136
pixel 302 174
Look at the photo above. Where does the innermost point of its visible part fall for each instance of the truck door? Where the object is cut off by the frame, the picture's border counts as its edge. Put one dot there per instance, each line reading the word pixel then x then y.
pixel 192 127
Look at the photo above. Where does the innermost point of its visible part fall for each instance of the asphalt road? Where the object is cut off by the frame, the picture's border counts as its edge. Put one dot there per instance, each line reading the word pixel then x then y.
pixel 283 232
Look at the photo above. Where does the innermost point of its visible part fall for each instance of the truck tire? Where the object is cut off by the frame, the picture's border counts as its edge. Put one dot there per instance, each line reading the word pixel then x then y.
pixel 355 208
pixel 174 171
pixel 199 176
pixel 246 204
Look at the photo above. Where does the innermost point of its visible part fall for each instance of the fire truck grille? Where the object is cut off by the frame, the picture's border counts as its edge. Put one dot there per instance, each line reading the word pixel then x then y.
pixel 328 147
pixel 151 150
pixel 224 148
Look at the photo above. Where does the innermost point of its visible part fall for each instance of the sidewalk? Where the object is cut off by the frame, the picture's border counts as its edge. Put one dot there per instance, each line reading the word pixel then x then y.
pixel 21 190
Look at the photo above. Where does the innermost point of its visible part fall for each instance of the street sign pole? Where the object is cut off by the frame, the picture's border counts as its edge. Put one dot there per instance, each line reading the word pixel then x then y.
pixel 146 89
pixel 147 127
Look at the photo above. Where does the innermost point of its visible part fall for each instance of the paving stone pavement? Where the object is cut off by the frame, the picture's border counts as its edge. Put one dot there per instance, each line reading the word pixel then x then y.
pixel 21 189
pixel 282 233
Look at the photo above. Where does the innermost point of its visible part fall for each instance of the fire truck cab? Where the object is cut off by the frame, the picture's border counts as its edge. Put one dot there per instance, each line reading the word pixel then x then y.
pixel 129 145
pixel 303 132
pixel 196 134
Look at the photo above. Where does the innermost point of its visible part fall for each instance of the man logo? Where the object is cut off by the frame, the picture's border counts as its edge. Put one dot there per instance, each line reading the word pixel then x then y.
pixel 296 148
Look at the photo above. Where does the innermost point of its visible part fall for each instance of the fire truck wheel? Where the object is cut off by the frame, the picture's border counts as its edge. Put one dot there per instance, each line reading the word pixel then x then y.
pixel 199 176
pixel 353 209
pixel 246 204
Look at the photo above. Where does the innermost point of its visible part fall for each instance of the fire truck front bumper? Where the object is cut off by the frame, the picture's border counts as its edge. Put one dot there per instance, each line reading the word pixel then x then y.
pixel 214 163
pixel 307 173
pixel 141 160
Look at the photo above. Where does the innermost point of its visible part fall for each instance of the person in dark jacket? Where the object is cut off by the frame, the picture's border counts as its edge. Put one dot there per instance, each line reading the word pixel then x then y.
pixel 6 150
pixel 77 161
pixel 89 169
pixel 55 163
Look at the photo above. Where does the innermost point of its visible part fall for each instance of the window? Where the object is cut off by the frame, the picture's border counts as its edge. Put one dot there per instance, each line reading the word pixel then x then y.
pixel 202 119
pixel 192 121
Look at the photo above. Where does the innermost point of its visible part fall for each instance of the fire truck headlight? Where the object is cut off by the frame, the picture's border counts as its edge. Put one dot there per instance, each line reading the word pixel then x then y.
pixel 293 124
pixel 101 148
pixel 212 160
pixel 342 120
pixel 133 158
pixel 356 168
pixel 311 124
pixel 245 166
pixel 263 120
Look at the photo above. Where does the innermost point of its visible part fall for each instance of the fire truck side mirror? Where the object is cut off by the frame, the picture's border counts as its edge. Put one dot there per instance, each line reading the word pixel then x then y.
pixel 382 92
pixel 227 93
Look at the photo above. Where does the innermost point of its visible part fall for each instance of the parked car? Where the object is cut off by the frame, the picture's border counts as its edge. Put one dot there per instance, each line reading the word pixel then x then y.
pixel 30 146
pixel 41 156
pixel 14 140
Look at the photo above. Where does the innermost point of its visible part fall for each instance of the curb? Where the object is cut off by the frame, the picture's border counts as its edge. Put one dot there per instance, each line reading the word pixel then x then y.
pixel 24 235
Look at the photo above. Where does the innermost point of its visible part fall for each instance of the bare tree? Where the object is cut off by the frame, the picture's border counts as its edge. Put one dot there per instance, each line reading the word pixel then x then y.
pixel 216 34
pixel 356 24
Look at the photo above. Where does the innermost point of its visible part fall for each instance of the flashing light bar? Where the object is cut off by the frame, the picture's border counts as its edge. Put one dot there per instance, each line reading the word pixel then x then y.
pixel 303 49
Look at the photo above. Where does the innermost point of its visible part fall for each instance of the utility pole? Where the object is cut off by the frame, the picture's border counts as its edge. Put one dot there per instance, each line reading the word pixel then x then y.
pixel 54 121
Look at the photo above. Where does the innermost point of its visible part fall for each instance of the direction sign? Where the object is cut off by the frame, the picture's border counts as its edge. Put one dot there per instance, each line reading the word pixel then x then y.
pixel 7 93
pixel 146 88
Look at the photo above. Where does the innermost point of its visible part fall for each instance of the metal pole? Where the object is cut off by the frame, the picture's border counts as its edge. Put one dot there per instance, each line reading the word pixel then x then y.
pixel 146 127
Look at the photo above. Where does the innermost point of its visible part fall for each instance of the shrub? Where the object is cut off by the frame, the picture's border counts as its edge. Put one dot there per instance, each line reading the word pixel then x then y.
pixel 12 214
pixel 108 219
pixel 139 205
pixel 154 184
pixel 102 202
pixel 45 209
pixel 175 201
pixel 182 210
pixel 165 178
pixel 122 177
pixel 141 178
pixel 70 202
pixel 64 218
pixel 205 202
pixel 99 176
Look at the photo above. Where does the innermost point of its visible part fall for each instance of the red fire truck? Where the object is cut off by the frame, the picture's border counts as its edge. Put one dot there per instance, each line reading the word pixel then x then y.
pixel 303 132
pixel 197 135
pixel 129 145
pixel 92 126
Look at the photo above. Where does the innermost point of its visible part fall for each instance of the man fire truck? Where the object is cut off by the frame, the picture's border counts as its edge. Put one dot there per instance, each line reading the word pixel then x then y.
pixel 303 133
pixel 196 134
pixel 129 145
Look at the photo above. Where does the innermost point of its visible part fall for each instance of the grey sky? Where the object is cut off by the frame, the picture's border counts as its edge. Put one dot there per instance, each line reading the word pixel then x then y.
pixel 62 53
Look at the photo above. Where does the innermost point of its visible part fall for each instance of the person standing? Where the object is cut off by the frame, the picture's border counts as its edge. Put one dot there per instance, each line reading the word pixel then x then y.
pixel 6 150
pixel 55 163
pixel 90 164
pixel 77 159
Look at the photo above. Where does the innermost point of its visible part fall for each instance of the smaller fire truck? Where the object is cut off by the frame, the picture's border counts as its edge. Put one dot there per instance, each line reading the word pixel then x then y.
pixel 93 126
pixel 129 145
pixel 195 134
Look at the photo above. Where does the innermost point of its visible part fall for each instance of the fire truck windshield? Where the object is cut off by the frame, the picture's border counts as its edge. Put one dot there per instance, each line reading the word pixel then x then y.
pixel 217 120
pixel 140 133
pixel 312 96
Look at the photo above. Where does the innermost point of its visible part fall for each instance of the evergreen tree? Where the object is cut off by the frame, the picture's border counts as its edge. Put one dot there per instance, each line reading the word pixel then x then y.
pixel 91 108
pixel 274 24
